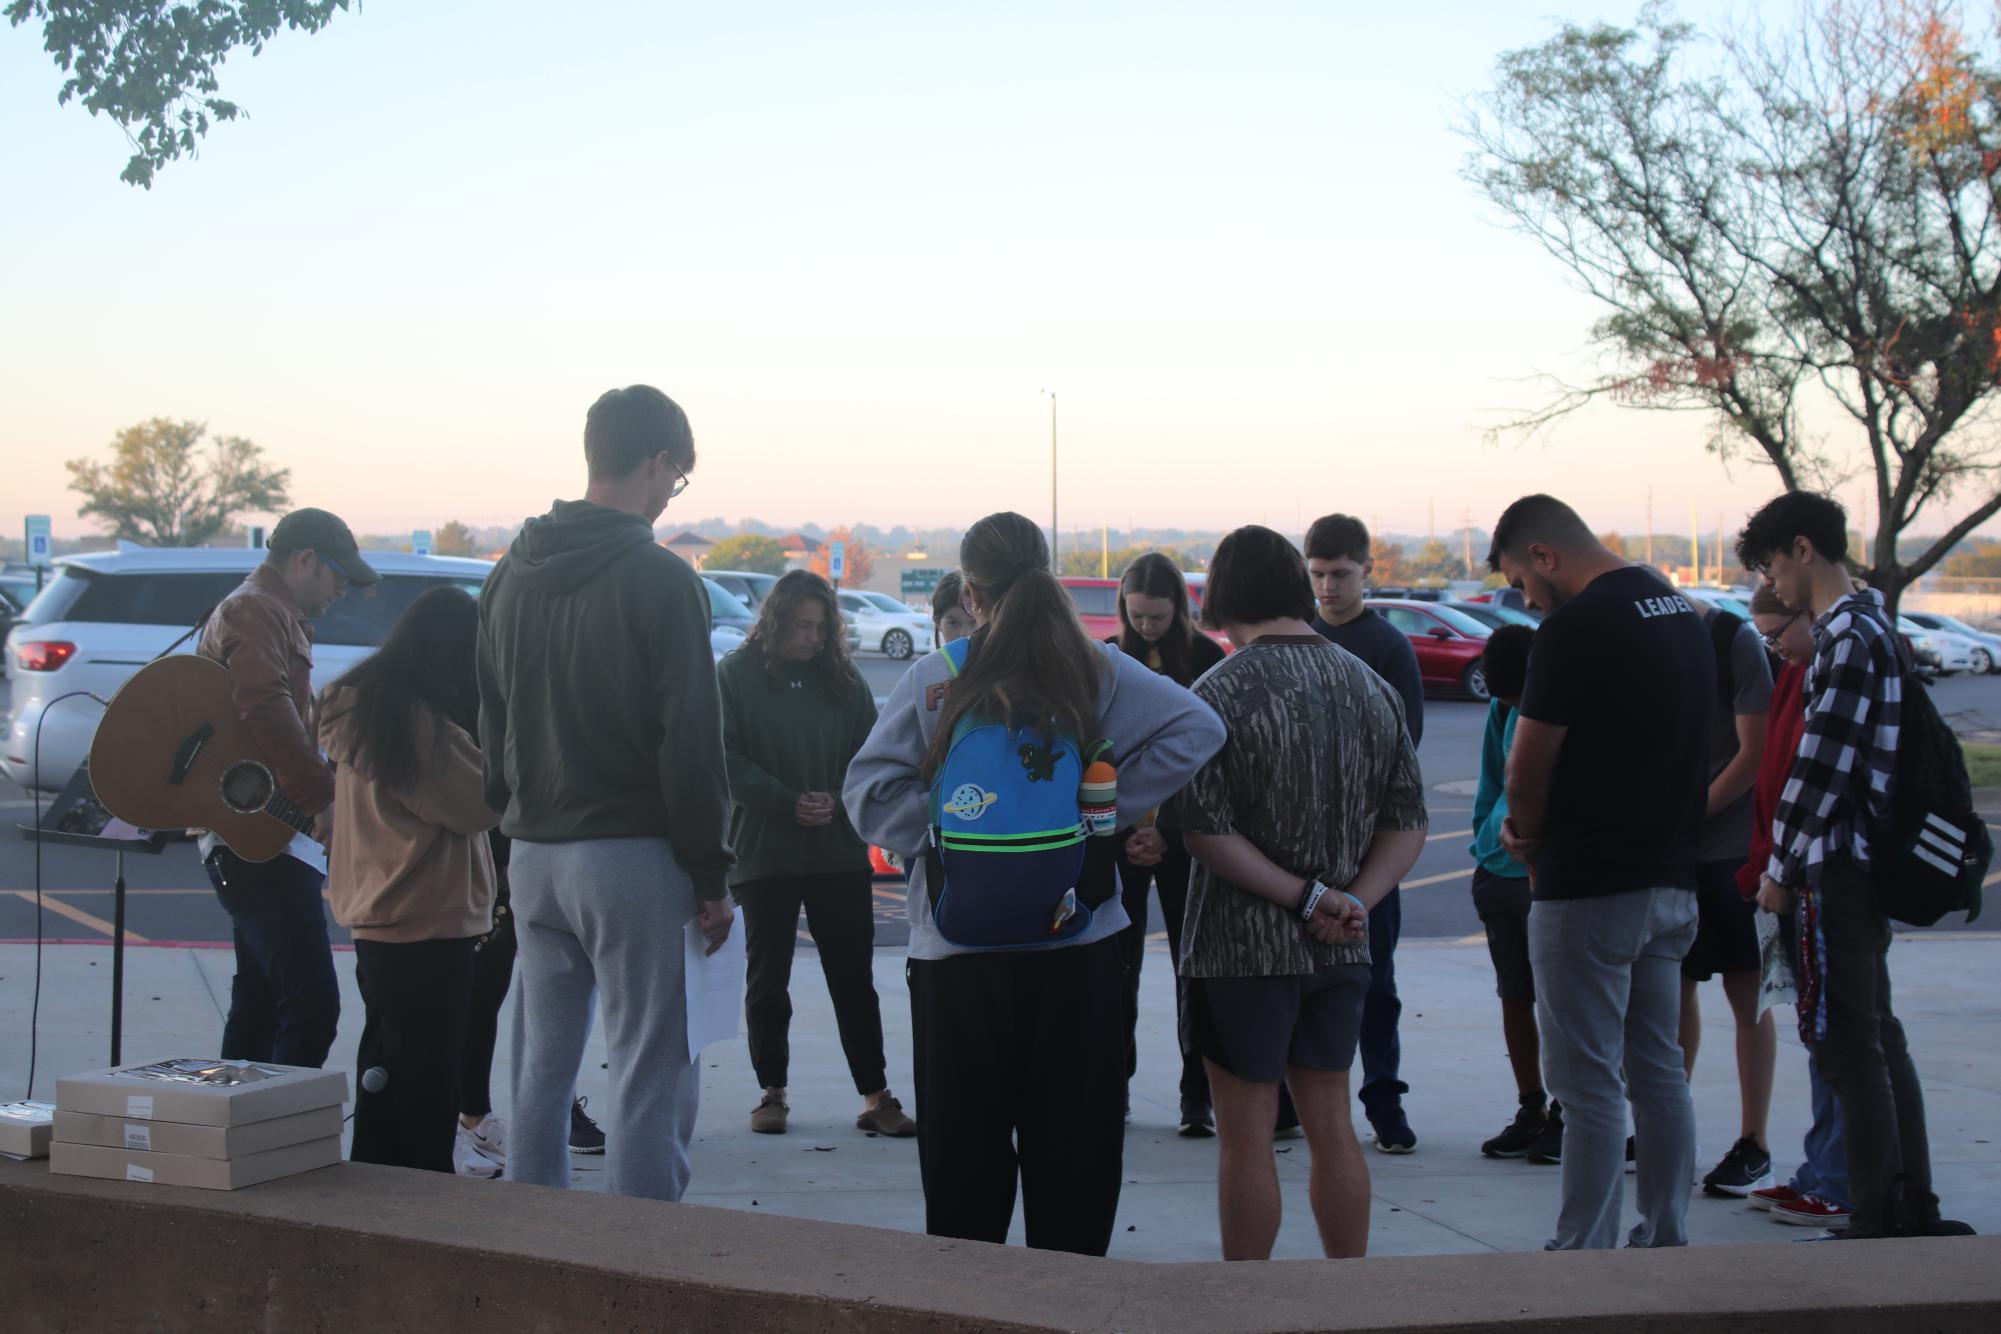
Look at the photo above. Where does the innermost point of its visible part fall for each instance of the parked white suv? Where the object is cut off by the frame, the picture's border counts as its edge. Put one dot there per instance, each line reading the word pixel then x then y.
pixel 105 615
pixel 879 621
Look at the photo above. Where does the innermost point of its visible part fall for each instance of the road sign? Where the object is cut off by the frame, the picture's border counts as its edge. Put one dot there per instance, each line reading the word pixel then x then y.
pixel 918 583
pixel 837 559
pixel 420 541
pixel 38 544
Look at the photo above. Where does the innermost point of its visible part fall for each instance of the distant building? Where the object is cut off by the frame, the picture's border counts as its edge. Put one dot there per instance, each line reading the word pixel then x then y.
pixel 689 546
pixel 799 550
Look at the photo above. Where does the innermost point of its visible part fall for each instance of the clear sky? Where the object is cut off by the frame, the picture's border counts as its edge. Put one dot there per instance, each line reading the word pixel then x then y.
pixel 854 241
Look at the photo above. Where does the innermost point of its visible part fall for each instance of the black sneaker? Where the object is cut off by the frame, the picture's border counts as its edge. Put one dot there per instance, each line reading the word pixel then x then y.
pixel 1548 1148
pixel 1744 1169
pixel 1198 1120
pixel 1393 1132
pixel 1918 1216
pixel 585 1137
pixel 1522 1134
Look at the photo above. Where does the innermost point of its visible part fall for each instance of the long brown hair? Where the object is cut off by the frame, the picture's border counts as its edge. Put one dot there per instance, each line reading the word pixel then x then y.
pixel 1155 576
pixel 427 659
pixel 774 617
pixel 1032 665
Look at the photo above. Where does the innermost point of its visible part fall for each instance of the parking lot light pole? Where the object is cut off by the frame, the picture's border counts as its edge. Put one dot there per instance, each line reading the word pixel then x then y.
pixel 1055 542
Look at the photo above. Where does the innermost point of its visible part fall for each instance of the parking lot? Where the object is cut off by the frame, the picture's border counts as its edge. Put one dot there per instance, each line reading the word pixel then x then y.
pixel 169 899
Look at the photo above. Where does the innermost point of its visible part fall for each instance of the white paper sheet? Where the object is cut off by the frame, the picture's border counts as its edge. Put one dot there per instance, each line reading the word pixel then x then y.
pixel 714 985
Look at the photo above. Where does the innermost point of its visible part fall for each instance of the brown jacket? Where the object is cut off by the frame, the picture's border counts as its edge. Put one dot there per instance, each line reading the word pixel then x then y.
pixel 259 635
pixel 415 865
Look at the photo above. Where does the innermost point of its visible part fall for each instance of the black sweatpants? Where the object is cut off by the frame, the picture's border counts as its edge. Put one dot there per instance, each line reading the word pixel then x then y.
pixel 1020 1065
pixel 492 975
pixel 1866 1061
pixel 1170 877
pixel 840 916
pixel 416 998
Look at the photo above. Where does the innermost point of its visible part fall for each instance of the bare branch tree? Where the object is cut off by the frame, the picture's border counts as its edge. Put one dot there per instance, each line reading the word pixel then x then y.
pixel 1774 220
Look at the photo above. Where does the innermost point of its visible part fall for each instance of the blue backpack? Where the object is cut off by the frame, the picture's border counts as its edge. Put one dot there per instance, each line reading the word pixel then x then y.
pixel 1007 837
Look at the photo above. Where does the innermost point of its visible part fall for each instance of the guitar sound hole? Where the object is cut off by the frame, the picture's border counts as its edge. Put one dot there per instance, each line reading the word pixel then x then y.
pixel 246 787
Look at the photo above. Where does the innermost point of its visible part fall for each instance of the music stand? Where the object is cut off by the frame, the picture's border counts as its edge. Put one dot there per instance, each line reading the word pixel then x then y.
pixel 75 819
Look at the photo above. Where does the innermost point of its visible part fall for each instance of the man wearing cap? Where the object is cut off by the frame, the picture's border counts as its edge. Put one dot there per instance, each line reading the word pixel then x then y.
pixel 284 1003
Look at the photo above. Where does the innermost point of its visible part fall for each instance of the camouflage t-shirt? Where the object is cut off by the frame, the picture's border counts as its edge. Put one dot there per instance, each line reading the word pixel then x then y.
pixel 1317 762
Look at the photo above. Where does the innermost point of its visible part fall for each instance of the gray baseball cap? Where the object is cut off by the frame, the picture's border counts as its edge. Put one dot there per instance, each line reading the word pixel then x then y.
pixel 324 533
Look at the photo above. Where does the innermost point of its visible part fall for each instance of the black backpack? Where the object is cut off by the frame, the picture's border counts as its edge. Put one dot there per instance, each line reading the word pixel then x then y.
pixel 1933 856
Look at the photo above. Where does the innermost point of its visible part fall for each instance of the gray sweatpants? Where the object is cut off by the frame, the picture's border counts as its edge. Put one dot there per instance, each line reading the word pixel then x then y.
pixel 1608 1001
pixel 603 917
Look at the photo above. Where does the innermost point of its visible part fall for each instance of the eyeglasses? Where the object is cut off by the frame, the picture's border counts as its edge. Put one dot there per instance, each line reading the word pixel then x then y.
pixel 681 485
pixel 1771 641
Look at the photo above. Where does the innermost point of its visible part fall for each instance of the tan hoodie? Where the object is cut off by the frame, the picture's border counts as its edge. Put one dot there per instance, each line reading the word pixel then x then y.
pixel 409 866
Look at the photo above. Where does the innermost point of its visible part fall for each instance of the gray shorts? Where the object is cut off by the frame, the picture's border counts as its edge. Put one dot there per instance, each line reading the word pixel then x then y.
pixel 1254 1027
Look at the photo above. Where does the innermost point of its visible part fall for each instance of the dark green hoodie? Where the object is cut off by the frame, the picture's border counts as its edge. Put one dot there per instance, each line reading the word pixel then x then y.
pixel 783 736
pixel 598 709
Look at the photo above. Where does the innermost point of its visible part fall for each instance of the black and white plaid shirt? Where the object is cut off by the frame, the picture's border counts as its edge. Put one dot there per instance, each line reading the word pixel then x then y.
pixel 1840 783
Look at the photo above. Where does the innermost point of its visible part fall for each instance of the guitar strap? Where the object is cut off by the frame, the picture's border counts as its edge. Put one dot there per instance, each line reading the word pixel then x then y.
pixel 191 632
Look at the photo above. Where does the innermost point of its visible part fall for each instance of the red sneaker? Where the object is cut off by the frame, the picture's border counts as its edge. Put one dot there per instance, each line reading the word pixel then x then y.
pixel 1812 1211
pixel 1771 1195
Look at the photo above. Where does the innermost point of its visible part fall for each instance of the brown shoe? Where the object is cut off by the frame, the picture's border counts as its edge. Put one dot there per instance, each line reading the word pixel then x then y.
pixel 769 1118
pixel 887 1118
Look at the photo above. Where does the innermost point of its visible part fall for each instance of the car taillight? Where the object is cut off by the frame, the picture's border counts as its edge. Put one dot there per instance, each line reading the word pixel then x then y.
pixel 43 655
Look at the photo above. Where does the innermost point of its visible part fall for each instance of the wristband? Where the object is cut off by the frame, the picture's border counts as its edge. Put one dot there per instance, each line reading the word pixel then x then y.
pixel 1313 894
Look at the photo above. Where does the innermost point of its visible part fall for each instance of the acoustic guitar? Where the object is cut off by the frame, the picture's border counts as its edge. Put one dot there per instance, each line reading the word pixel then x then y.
pixel 172 753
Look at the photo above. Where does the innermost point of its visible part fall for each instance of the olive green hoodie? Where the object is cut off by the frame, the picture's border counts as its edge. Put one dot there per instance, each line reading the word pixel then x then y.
pixel 598 709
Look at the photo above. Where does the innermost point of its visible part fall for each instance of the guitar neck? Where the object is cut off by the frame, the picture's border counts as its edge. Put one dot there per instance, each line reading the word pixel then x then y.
pixel 284 810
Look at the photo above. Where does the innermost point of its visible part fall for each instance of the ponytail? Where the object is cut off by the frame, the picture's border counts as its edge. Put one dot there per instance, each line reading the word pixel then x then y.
pixel 1032 665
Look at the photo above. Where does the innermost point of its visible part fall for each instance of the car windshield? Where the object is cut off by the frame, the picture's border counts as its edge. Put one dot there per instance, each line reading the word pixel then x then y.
pixel 725 605
pixel 887 603
pixel 364 618
pixel 1488 614
pixel 1458 620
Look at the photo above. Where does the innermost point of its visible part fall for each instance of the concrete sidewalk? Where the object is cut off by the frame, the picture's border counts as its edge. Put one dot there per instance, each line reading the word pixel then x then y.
pixel 1444 1199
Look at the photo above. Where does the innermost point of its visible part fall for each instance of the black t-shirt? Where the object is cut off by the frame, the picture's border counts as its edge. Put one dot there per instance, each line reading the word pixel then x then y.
pixel 1628 668
pixel 1388 653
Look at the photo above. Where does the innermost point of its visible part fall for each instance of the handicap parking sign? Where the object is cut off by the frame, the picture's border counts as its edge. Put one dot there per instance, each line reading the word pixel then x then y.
pixel 39 549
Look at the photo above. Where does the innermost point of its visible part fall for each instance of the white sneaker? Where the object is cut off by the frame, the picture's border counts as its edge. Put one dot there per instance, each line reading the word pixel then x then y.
pixel 469 1161
pixel 489 1137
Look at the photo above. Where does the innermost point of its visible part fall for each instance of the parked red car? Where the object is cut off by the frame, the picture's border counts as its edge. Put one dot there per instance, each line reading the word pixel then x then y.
pixel 1451 646
pixel 1097 603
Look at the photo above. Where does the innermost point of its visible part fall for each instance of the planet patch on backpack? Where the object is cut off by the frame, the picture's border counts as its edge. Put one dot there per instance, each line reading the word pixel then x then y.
pixel 970 802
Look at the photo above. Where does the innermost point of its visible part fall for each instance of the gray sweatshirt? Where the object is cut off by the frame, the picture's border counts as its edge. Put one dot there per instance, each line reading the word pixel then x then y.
pixel 1160 734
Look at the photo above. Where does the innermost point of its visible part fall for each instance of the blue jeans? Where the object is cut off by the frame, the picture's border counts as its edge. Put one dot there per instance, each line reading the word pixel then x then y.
pixel 1382 1053
pixel 1608 1001
pixel 284 1004
pixel 1825 1171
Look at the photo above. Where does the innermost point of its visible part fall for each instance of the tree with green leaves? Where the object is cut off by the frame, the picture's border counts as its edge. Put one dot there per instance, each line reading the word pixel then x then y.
pixel 150 65
pixel 159 490
pixel 751 553
pixel 1783 229
pixel 1434 562
pixel 454 539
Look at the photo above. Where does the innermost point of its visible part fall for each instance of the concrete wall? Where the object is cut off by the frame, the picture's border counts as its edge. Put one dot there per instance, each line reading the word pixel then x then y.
pixel 358 1247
